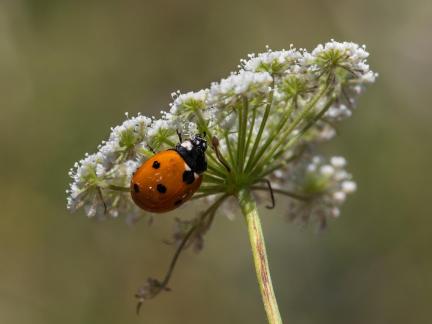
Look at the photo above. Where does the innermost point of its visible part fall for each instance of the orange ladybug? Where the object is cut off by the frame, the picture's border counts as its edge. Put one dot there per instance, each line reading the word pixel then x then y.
pixel 171 177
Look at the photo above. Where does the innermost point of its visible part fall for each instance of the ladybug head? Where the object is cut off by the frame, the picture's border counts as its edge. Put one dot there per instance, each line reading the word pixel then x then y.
pixel 199 142
pixel 193 153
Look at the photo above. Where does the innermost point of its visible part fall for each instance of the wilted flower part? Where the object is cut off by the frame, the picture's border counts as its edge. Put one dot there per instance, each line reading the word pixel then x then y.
pixel 150 290
pixel 182 227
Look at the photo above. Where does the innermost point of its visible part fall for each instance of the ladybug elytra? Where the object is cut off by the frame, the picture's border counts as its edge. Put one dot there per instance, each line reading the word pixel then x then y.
pixel 171 177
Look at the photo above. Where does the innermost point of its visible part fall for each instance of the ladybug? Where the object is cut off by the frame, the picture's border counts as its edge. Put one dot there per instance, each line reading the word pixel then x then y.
pixel 171 177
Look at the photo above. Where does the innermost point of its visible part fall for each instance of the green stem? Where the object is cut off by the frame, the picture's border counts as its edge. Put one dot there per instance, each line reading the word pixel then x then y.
pixel 251 128
pixel 256 237
pixel 285 134
pixel 305 128
pixel 282 192
pixel 215 167
pixel 232 160
pixel 289 108
pixel 118 188
pixel 211 189
pixel 168 142
pixel 261 129
pixel 243 118
pixel 214 177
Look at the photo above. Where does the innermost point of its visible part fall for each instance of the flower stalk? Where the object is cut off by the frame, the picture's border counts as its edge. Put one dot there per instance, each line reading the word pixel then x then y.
pixel 256 238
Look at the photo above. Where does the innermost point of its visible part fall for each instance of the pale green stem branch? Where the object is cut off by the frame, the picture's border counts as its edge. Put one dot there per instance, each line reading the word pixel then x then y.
pixel 118 188
pixel 285 134
pixel 261 129
pixel 294 139
pixel 256 237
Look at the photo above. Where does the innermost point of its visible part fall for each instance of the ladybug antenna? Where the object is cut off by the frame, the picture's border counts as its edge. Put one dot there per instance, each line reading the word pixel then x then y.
pixel 179 136
pixel 215 145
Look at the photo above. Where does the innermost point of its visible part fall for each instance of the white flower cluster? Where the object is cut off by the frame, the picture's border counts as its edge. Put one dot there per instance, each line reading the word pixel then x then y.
pixel 290 74
pixel 347 55
pixel 87 175
pixel 274 62
pixel 243 83
pixel 323 185
pixel 276 102
pixel 125 139
pixel 188 101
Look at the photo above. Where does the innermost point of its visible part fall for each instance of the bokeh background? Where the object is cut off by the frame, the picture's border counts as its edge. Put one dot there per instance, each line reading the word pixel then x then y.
pixel 68 72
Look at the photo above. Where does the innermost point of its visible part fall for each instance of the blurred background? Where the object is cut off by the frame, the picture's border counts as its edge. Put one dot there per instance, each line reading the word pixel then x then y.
pixel 69 71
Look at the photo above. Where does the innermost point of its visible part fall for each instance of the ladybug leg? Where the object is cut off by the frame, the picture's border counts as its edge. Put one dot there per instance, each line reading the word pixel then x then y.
pixel 215 145
pixel 99 193
pixel 151 149
pixel 179 136
pixel 273 203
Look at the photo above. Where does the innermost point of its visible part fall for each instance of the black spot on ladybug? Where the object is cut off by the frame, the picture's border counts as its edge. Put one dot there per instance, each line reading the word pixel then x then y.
pixel 156 165
pixel 136 187
pixel 161 188
pixel 188 177
pixel 178 202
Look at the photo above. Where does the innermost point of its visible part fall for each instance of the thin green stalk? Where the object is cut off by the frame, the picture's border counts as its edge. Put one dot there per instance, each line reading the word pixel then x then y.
pixel 168 142
pixel 212 180
pixel 211 158
pixel 118 188
pixel 278 129
pixel 232 160
pixel 256 237
pixel 251 128
pixel 282 192
pixel 284 135
pixel 202 195
pixel 312 122
pixel 239 137
pixel 213 176
pixel 243 118
pixel 261 129
pixel 293 140
pixel 273 167
pixel 211 189
pixel 214 164
pixel 216 170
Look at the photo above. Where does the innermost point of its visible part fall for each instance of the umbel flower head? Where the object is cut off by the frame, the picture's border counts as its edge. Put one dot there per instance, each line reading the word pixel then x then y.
pixel 263 124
